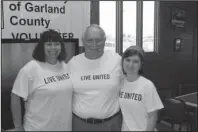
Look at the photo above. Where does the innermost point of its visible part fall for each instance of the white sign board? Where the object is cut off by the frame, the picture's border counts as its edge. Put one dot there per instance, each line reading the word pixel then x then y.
pixel 27 19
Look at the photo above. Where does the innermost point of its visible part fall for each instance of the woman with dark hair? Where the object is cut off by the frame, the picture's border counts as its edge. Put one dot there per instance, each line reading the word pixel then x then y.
pixel 139 100
pixel 46 88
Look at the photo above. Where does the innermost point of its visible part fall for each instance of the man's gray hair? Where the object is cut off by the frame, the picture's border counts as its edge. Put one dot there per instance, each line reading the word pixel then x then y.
pixel 102 32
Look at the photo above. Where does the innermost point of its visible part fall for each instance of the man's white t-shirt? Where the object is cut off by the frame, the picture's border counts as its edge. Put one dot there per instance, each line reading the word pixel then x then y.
pixel 96 85
pixel 137 99
pixel 47 91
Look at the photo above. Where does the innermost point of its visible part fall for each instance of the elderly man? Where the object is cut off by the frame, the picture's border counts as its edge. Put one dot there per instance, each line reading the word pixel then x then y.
pixel 96 81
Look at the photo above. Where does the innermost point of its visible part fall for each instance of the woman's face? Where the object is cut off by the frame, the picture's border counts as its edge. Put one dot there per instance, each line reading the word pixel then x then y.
pixel 52 50
pixel 132 65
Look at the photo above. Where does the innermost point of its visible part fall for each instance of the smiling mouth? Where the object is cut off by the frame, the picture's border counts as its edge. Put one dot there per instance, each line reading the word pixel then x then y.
pixel 53 53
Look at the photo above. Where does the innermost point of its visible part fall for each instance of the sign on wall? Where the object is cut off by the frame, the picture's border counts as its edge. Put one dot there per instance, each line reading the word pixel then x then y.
pixel 27 19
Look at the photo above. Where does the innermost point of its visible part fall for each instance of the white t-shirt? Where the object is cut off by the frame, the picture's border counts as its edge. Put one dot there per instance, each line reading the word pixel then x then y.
pixel 96 85
pixel 47 91
pixel 137 99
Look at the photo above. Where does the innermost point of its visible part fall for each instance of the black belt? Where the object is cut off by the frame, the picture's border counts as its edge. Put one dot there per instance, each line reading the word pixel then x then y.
pixel 97 121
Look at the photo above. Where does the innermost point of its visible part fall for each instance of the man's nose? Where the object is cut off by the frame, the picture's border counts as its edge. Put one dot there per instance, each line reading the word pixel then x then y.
pixel 94 43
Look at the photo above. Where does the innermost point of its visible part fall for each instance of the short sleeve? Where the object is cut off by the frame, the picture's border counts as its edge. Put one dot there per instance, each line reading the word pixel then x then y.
pixel 70 65
pixel 20 86
pixel 119 67
pixel 65 66
pixel 152 100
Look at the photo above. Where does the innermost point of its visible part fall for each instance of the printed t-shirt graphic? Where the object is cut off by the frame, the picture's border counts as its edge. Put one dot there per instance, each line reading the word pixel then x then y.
pixel 47 91
pixel 96 85
pixel 137 99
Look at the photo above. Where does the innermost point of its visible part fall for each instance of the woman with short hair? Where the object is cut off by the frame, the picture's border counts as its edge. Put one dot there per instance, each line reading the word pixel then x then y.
pixel 139 100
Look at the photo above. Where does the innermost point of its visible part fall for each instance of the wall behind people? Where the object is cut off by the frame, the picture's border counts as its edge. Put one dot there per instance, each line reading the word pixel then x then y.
pixel 27 19
pixel 13 57
pixel 168 68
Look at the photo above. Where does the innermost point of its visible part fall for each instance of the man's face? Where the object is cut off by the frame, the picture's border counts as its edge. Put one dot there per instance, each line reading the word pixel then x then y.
pixel 94 40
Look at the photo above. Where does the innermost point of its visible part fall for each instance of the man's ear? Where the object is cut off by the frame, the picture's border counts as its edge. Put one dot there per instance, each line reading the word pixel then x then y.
pixel 105 38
